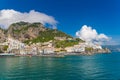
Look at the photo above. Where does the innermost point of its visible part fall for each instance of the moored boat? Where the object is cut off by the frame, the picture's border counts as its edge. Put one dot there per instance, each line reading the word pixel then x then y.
pixel 7 54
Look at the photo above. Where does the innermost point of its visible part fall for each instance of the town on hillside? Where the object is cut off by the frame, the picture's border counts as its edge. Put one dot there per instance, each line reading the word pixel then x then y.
pixel 25 38
pixel 15 47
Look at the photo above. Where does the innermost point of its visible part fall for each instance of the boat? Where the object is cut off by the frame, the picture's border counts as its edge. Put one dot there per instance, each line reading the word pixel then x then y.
pixel 7 54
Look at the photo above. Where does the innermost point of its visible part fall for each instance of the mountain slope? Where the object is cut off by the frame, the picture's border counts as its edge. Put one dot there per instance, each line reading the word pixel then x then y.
pixel 33 32
pixel 2 35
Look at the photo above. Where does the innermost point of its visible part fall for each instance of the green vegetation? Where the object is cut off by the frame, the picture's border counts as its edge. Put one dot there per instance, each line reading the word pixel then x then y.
pixel 16 31
pixel 20 23
pixel 65 43
pixel 5 48
pixel 1 51
pixel 23 26
pixel 79 40
pixel 48 35
pixel 88 49
pixel 51 33
pixel 34 25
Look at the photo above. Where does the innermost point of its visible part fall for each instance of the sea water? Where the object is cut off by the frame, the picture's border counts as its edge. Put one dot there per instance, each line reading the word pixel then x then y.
pixel 94 67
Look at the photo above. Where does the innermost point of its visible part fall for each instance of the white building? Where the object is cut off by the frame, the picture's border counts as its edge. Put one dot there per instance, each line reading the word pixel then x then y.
pixel 69 49
pixel 15 44
pixel 48 50
pixel 76 48
pixel 79 49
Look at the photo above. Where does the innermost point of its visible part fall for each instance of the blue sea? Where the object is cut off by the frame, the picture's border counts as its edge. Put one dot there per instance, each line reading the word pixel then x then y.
pixel 94 67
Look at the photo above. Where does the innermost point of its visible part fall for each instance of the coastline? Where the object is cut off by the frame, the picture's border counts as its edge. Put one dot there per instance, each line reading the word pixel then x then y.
pixel 59 54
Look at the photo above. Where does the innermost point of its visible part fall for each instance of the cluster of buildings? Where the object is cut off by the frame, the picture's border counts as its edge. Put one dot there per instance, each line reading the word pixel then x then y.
pixel 19 48
pixel 81 47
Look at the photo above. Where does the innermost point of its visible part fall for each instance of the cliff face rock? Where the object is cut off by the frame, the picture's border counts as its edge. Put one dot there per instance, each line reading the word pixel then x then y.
pixel 2 36
pixel 25 31
pixel 31 32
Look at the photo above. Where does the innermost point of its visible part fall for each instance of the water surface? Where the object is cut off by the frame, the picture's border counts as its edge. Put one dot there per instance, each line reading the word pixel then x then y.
pixel 95 67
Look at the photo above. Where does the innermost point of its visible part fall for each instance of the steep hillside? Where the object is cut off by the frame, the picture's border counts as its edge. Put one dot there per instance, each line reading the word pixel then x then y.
pixel 2 35
pixel 25 31
pixel 33 32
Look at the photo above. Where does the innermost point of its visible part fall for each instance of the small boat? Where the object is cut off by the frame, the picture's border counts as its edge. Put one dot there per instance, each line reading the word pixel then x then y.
pixel 7 54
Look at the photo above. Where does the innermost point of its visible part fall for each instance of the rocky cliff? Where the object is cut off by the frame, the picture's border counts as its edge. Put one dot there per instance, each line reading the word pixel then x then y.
pixel 25 31
pixel 35 32
pixel 2 35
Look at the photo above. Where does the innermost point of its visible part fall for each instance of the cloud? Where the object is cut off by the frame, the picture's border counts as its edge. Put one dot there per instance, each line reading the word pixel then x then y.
pixel 9 16
pixel 90 35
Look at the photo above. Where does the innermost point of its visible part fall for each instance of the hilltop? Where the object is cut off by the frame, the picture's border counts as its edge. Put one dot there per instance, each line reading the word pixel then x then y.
pixel 30 33
pixel 33 32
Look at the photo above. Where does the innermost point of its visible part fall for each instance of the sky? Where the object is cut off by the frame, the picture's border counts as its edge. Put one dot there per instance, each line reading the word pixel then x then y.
pixel 71 15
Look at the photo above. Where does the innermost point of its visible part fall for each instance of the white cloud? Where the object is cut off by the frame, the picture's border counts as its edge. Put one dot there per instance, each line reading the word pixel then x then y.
pixel 90 35
pixel 9 16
